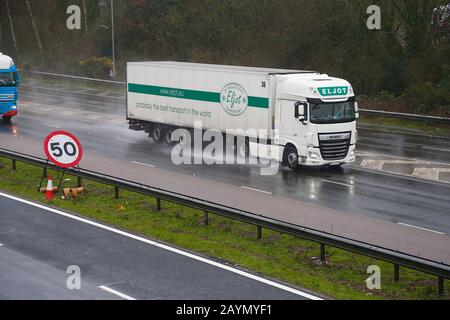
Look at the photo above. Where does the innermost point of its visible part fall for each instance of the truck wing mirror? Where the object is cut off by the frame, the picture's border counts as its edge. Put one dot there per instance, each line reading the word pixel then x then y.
pixel 299 110
pixel 18 80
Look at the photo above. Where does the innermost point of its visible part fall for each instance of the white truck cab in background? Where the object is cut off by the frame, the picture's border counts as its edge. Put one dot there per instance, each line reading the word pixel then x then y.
pixel 292 116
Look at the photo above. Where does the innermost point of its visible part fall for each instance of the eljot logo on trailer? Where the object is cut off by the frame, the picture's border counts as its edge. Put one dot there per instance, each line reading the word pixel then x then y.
pixel 63 149
pixel 234 99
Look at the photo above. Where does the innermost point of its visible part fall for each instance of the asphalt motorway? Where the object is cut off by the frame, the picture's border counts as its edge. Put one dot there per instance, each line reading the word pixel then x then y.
pixel 37 246
pixel 99 123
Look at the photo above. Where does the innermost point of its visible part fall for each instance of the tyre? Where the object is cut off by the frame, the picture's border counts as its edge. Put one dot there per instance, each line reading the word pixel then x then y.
pixel 186 138
pixel 244 149
pixel 157 133
pixel 7 119
pixel 168 136
pixel 290 157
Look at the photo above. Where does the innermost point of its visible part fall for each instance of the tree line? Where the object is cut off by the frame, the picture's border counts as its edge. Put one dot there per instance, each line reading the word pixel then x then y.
pixel 407 62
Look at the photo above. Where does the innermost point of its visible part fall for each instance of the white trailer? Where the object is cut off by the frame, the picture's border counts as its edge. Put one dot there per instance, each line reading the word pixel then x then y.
pixel 296 117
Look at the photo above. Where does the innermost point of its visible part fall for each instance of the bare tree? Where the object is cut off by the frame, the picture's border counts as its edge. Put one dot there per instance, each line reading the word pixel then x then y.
pixel 13 35
pixel 85 17
pixel 1 37
pixel 33 22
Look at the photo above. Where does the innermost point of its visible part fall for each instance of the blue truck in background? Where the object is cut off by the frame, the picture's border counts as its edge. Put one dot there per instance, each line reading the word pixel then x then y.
pixel 9 85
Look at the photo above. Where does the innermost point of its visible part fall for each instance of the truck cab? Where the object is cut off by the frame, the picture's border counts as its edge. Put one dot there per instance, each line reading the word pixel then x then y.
pixel 315 120
pixel 9 83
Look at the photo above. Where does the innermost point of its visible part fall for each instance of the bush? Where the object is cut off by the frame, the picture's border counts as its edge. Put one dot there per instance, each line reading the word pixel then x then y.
pixel 98 67
pixel 385 96
pixel 426 97
pixel 445 81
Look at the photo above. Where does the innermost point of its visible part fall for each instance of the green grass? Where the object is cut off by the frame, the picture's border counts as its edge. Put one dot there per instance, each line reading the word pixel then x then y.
pixel 75 84
pixel 418 126
pixel 278 256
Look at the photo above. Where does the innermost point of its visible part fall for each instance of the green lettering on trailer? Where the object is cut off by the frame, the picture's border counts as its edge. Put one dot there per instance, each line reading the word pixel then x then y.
pixel 256 102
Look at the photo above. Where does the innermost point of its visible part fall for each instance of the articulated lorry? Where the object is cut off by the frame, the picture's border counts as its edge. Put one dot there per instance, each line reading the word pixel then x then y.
pixel 9 84
pixel 293 116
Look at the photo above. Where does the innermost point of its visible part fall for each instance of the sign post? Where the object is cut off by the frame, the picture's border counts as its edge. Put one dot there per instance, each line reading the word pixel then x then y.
pixel 64 150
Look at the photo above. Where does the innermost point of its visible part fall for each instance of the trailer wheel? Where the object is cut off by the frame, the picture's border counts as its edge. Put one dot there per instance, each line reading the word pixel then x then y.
pixel 244 148
pixel 186 137
pixel 168 136
pixel 157 133
pixel 7 119
pixel 290 157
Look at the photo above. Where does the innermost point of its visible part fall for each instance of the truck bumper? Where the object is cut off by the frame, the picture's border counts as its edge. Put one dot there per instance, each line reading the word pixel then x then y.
pixel 314 158
pixel 8 109
pixel 11 113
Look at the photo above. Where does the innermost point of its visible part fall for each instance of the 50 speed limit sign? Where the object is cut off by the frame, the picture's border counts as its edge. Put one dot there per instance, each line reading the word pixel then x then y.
pixel 63 149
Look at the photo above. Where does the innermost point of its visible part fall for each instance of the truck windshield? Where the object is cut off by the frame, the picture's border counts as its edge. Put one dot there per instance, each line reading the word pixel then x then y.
pixel 7 79
pixel 333 112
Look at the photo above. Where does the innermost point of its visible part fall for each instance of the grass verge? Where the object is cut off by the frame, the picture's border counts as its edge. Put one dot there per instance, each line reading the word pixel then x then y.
pixel 75 84
pixel 415 126
pixel 277 256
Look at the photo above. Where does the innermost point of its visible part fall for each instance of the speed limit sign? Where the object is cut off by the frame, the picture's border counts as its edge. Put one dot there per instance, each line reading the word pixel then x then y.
pixel 63 149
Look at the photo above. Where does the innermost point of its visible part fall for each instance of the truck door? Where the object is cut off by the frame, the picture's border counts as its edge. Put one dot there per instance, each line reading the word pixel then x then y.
pixel 291 128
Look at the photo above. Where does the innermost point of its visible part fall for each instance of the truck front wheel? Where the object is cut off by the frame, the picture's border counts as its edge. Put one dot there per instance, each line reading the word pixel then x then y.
pixel 6 119
pixel 290 157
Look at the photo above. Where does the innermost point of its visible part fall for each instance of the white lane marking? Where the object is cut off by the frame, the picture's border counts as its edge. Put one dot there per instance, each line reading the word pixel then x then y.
pixel 143 164
pixel 166 247
pixel 52 126
pixel 436 149
pixel 126 141
pixel 371 154
pixel 420 228
pixel 117 293
pixel 338 183
pixel 257 190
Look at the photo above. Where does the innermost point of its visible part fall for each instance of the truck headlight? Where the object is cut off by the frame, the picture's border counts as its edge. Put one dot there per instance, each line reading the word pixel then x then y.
pixel 313 155
pixel 14 107
pixel 352 156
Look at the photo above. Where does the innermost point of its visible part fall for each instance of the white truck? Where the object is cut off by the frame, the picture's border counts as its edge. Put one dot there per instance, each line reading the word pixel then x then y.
pixel 306 118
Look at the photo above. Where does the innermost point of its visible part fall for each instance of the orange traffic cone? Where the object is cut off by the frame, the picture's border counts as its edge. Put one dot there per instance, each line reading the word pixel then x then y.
pixel 49 194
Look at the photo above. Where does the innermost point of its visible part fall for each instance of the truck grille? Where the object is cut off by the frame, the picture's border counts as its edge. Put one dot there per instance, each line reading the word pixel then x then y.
pixel 6 97
pixel 335 146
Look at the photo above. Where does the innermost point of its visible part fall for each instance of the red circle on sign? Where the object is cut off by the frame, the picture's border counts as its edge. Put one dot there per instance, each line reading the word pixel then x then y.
pixel 52 157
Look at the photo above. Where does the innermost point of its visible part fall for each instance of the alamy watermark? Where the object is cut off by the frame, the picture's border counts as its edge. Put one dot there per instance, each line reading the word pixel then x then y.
pixel 374 20
pixel 73 282
pixel 374 281
pixel 232 147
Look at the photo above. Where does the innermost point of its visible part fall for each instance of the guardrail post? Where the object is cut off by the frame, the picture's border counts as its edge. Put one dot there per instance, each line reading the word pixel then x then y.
pixel 79 182
pixel 322 253
pixel 441 286
pixel 116 192
pixel 396 272
pixel 14 165
pixel 206 220
pixel 158 204
pixel 259 232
